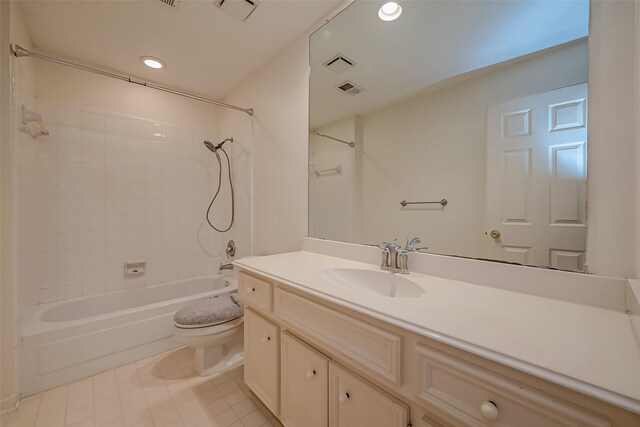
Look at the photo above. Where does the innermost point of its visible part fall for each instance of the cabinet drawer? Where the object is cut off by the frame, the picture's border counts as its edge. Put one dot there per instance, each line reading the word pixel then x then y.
pixel 474 396
pixel 304 384
pixel 353 402
pixel 256 292
pixel 262 359
pixel 376 350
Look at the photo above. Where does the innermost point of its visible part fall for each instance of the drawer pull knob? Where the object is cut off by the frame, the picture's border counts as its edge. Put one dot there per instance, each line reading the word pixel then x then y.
pixel 489 410
pixel 251 289
pixel 265 339
pixel 311 373
pixel 344 397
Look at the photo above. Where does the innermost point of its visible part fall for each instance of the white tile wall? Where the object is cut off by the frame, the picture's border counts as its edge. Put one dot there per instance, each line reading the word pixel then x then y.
pixel 104 188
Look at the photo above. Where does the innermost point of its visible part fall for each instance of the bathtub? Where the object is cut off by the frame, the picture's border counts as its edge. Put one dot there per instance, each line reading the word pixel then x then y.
pixel 70 340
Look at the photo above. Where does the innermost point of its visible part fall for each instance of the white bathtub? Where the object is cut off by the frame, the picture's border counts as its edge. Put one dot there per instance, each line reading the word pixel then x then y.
pixel 69 340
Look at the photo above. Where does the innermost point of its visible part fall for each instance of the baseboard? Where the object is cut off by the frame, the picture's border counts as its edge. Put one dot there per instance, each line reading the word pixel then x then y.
pixel 9 404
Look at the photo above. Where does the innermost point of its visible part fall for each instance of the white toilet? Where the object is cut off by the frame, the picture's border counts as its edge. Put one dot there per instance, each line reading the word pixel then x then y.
pixel 219 343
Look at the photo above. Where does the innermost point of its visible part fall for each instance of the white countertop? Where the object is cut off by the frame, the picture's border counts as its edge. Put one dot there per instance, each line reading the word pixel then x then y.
pixel 588 349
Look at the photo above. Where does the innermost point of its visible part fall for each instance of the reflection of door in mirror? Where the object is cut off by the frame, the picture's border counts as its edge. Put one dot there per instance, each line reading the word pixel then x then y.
pixel 536 179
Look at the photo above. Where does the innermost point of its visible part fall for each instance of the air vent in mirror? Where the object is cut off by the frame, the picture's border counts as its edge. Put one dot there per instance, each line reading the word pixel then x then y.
pixel 350 88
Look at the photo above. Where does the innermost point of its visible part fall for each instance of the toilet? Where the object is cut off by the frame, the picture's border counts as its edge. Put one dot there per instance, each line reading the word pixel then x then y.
pixel 214 327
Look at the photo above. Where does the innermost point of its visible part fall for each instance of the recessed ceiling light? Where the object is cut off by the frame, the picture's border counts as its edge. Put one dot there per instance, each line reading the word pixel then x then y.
pixel 390 11
pixel 152 62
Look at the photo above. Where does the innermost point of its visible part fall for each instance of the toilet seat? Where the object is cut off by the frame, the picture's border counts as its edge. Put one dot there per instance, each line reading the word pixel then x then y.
pixel 194 331
pixel 208 312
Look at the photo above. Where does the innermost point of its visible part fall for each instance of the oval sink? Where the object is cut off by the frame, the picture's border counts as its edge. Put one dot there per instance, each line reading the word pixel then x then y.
pixel 372 282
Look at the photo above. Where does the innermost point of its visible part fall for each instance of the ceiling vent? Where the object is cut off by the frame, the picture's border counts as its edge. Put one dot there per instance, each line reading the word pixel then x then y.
pixel 339 63
pixel 171 3
pixel 350 88
pixel 239 9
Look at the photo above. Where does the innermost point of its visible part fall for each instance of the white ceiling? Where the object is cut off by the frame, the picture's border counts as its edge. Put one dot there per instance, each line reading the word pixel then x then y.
pixel 430 42
pixel 206 51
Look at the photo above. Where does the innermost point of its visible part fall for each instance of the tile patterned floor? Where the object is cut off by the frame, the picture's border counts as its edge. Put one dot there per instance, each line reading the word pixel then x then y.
pixel 161 391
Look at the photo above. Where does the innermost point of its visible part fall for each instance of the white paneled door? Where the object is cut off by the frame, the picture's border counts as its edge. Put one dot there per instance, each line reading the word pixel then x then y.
pixel 536 179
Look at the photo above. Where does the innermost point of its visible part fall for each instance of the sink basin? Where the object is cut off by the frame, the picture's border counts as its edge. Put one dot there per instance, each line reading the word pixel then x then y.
pixel 373 282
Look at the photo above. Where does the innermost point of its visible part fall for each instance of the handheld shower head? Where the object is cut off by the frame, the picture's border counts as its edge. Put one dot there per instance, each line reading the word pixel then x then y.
pixel 210 146
pixel 214 148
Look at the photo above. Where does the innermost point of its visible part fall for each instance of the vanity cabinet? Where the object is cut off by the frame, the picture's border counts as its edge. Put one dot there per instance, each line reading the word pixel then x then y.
pixel 256 292
pixel 377 351
pixel 475 396
pixel 353 402
pixel 304 384
pixel 262 359
pixel 315 364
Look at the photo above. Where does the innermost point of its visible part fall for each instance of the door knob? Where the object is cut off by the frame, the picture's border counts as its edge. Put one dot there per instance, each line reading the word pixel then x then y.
pixel 495 234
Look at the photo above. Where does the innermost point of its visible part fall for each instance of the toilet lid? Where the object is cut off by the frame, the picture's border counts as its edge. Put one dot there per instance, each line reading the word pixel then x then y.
pixel 210 311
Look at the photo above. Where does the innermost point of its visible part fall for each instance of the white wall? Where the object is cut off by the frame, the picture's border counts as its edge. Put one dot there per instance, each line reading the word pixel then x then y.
pixel 278 93
pixel 14 163
pixel 434 146
pixel 637 139
pixel 7 326
pixel 612 224
pixel 94 91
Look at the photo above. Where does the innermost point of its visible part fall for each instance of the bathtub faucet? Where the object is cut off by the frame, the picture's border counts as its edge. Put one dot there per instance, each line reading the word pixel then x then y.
pixel 227 266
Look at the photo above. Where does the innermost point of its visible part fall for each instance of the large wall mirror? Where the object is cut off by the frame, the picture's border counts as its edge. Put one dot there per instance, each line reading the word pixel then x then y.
pixel 461 122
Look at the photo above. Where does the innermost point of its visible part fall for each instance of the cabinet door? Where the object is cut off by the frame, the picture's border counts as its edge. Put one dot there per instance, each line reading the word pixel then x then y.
pixel 261 359
pixel 304 384
pixel 353 402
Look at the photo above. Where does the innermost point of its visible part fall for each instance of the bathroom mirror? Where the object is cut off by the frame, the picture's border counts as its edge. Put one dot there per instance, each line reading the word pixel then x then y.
pixel 461 122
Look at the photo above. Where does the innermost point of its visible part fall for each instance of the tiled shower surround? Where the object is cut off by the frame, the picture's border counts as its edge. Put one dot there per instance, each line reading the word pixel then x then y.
pixel 102 189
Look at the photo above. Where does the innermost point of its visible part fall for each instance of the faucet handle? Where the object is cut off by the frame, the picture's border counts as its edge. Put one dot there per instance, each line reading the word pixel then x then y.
pixel 386 253
pixel 395 245
pixel 411 245
pixel 403 260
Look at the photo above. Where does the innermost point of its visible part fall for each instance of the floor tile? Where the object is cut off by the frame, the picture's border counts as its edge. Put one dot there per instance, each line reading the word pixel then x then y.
pixel 160 391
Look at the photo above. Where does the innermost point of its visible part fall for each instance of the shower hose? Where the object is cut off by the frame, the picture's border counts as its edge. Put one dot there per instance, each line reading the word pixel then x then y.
pixel 215 196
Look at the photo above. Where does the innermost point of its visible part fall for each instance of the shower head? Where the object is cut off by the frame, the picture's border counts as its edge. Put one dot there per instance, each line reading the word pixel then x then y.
pixel 214 148
pixel 210 146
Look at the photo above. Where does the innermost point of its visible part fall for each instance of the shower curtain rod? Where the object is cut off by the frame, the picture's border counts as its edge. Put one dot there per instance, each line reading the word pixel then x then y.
pixel 350 144
pixel 20 52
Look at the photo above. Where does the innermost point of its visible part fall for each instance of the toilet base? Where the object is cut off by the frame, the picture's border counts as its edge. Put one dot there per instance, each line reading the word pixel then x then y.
pixel 203 369
pixel 217 358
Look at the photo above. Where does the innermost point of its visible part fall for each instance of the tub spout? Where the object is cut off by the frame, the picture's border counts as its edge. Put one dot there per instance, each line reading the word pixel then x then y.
pixel 227 266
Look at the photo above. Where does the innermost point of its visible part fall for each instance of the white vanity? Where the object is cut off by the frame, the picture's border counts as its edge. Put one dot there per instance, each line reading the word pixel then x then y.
pixel 322 349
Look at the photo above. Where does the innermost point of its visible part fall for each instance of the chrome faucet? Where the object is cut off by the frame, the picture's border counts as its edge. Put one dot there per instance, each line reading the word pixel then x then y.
pixel 394 258
pixel 411 245
pixel 227 266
